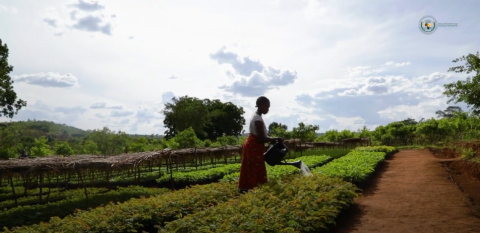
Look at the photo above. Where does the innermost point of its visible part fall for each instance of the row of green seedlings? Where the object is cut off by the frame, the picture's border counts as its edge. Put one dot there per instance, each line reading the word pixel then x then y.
pixel 291 203
pixel 205 175
pixel 32 214
pixel 210 175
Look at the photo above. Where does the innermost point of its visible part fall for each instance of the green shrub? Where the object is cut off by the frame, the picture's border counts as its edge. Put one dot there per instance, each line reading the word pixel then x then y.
pixel 290 204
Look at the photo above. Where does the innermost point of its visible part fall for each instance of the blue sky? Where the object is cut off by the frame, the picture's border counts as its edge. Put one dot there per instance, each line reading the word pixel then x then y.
pixel 336 64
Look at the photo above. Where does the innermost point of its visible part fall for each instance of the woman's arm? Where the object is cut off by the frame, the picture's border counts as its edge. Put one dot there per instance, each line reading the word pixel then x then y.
pixel 262 135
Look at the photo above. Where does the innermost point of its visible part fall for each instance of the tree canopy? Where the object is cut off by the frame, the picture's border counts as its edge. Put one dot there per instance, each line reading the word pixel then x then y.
pixel 9 103
pixel 209 119
pixel 449 112
pixel 272 126
pixel 467 91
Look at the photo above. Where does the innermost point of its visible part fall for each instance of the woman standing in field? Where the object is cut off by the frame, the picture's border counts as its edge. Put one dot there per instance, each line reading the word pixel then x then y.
pixel 252 170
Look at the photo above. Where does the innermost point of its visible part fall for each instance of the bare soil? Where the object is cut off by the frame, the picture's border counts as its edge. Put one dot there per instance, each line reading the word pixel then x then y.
pixel 415 191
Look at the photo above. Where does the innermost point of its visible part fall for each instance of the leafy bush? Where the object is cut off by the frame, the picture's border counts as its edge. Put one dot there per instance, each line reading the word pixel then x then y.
pixel 139 214
pixel 356 166
pixel 63 148
pixel 55 195
pixel 201 175
pixel 386 149
pixel 290 204
pixel 227 140
pixel 32 214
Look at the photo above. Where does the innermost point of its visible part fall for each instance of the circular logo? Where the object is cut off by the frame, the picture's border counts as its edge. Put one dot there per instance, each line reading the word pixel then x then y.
pixel 427 25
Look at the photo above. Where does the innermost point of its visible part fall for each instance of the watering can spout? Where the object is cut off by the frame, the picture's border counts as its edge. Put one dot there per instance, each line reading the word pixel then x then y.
pixel 296 164
pixel 276 153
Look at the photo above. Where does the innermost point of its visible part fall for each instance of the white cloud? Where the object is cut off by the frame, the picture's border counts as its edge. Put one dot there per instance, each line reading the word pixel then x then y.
pixel 49 79
pixel 104 105
pixel 433 77
pixel 425 109
pixel 80 15
pixel 146 114
pixel 121 113
pixel 315 60
pixel 400 64
pixel 7 9
pixel 314 8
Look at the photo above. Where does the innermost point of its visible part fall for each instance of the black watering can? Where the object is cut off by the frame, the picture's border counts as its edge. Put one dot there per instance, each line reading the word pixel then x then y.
pixel 276 153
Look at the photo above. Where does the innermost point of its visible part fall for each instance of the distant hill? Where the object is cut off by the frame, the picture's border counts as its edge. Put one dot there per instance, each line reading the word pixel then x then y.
pixel 45 127
pixel 36 129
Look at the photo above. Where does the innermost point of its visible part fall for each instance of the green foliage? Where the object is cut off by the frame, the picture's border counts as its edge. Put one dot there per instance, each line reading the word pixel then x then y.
pixel 356 166
pixel 109 142
pixel 468 154
pixel 138 214
pixel 9 103
pixel 211 174
pixel 290 204
pixel 274 125
pixel 56 194
pixel 386 149
pixel 212 117
pixel 449 112
pixel 63 148
pixel 178 116
pixel 185 139
pixel 280 131
pixel 225 119
pixel 31 214
pixel 468 90
pixel 305 132
pixel 90 147
pixel 40 148
pixel 227 140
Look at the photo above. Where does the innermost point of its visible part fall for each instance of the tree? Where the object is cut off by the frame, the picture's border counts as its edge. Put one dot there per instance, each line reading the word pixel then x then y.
pixel 184 139
pixel 280 131
pixel 183 113
pixel 305 132
pixel 63 148
pixel 224 119
pixel 449 112
pixel 467 91
pixel 209 119
pixel 276 125
pixel 109 142
pixel 40 147
pixel 8 98
pixel 409 121
pixel 227 140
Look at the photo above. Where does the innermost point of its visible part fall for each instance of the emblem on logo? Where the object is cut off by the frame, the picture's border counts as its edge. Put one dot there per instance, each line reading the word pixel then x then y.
pixel 427 25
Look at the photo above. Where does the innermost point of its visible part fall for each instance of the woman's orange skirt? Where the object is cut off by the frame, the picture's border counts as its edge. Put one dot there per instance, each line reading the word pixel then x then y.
pixel 252 170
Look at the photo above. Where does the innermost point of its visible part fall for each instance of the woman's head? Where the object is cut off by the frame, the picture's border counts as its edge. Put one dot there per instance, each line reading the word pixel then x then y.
pixel 263 105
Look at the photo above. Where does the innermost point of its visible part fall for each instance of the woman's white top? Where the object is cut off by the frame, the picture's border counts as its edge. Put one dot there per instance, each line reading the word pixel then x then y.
pixel 253 129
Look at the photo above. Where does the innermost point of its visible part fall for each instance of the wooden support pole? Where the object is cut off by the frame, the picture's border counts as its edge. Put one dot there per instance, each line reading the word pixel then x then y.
pixel 195 158
pixel 13 190
pixel 48 179
pixel 171 173
pixel 40 194
pixel 83 184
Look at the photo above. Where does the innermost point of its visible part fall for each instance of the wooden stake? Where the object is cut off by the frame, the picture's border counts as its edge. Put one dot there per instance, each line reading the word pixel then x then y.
pixel 13 190
pixel 41 187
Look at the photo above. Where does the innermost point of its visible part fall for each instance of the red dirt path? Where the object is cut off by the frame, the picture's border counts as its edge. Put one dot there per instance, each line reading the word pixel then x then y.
pixel 413 193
